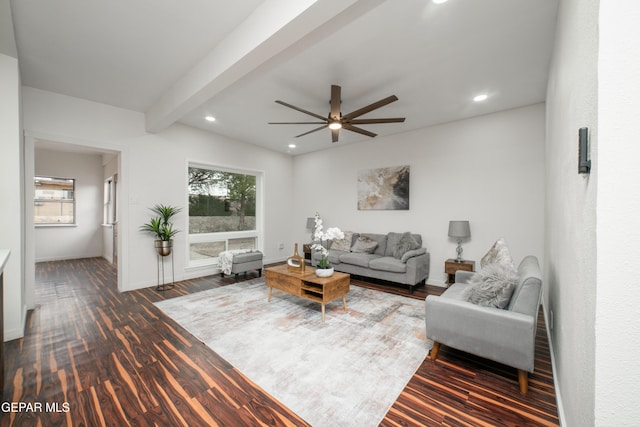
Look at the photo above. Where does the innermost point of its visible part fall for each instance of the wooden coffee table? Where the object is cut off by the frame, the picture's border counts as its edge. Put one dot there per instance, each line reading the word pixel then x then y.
pixel 308 285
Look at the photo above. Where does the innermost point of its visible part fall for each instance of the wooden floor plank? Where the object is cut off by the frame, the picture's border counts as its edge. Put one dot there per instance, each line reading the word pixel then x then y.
pixel 116 359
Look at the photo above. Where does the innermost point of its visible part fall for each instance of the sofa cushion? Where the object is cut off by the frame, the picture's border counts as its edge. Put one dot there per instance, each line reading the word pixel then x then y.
pixel 364 244
pixel 388 263
pixel 354 258
pixel 334 256
pixel 382 242
pixel 247 257
pixel 499 253
pixel 392 242
pixel 343 244
pixel 457 291
pixel 396 240
pixel 493 286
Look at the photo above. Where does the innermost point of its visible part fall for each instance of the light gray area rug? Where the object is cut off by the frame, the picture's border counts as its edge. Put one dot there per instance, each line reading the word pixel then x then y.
pixel 346 372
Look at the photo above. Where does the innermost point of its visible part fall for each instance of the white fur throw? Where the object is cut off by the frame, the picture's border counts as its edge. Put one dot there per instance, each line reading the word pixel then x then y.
pixel 493 286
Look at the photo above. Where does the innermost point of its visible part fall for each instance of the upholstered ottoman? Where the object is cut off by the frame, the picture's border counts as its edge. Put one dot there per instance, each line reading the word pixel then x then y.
pixel 243 262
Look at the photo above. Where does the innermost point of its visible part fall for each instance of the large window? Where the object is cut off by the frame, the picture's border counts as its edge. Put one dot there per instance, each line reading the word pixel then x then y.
pixel 54 201
pixel 222 212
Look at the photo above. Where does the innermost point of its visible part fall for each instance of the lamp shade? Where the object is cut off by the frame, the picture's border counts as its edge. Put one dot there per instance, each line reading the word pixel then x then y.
pixel 311 223
pixel 459 229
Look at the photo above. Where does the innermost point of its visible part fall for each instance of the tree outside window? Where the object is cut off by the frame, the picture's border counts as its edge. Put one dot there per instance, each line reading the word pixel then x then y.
pixel 221 201
pixel 222 211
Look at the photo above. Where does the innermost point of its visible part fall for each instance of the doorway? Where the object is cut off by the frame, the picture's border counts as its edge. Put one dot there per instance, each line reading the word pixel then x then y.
pixel 110 223
pixel 91 164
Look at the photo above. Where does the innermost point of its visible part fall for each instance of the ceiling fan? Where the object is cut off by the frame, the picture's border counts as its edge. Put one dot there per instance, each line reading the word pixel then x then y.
pixel 336 121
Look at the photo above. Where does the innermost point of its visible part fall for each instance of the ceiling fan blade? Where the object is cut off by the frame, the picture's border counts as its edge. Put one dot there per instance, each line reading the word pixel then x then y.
pixel 317 116
pixel 296 123
pixel 358 130
pixel 335 101
pixel 370 107
pixel 311 131
pixel 334 135
pixel 372 121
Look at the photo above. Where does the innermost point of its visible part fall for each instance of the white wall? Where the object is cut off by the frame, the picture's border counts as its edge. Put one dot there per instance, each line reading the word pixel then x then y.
pixel 160 175
pixel 591 279
pixel 617 316
pixel 570 277
pixel 11 190
pixel 488 170
pixel 154 170
pixel 84 239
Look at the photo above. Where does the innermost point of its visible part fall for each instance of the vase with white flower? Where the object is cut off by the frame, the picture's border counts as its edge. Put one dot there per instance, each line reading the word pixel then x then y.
pixel 322 239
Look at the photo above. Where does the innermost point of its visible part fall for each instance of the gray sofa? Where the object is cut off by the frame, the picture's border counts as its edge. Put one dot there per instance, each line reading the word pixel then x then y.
pixel 503 335
pixel 412 268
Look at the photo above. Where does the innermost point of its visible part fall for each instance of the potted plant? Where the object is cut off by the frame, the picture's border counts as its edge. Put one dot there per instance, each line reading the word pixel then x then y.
pixel 162 228
pixel 324 268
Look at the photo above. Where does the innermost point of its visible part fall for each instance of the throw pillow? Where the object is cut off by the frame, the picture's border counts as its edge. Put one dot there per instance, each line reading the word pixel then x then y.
pixel 364 245
pixel 493 286
pixel 412 253
pixel 406 243
pixel 343 244
pixel 499 253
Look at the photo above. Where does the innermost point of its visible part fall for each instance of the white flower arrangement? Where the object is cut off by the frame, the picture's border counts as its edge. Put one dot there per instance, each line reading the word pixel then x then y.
pixel 320 237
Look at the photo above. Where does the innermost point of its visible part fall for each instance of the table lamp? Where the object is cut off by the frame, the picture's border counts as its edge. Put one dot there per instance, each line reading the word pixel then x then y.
pixel 459 230
pixel 311 225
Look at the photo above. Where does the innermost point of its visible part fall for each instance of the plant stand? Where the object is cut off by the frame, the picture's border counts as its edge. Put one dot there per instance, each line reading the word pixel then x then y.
pixel 163 286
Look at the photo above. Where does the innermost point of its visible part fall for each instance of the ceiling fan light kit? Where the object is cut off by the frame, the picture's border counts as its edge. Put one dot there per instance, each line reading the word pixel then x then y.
pixel 336 121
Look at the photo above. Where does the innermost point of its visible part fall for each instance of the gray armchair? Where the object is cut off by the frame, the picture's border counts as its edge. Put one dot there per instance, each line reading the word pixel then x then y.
pixel 503 335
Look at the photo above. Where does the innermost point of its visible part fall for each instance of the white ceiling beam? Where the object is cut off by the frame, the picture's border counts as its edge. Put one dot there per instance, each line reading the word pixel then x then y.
pixel 7 34
pixel 273 27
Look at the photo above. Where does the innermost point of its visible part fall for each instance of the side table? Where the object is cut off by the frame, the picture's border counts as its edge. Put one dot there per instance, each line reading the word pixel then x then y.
pixel 451 266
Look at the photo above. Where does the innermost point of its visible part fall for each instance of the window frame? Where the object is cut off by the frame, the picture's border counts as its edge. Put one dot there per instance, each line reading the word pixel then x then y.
pixel 225 236
pixel 72 201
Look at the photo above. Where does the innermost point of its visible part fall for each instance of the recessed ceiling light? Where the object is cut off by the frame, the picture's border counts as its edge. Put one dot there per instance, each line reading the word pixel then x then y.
pixel 438 1
pixel 480 98
pixel 292 145
pixel 210 119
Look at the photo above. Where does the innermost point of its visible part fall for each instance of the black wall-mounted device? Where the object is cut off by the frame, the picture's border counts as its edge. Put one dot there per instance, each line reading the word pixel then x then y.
pixel 584 162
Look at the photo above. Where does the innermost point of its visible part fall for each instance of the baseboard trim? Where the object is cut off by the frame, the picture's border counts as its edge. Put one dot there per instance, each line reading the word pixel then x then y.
pixel 556 385
pixel 17 333
pixel 67 258
pixel 439 283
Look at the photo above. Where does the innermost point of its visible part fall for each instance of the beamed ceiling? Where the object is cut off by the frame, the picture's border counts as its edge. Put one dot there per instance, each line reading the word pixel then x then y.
pixel 179 61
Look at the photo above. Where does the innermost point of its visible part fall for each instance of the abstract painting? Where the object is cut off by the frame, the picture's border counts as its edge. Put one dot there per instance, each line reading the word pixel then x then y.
pixel 384 188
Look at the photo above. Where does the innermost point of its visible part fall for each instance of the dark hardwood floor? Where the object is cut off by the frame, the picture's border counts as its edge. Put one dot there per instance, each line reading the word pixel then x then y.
pixel 93 356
